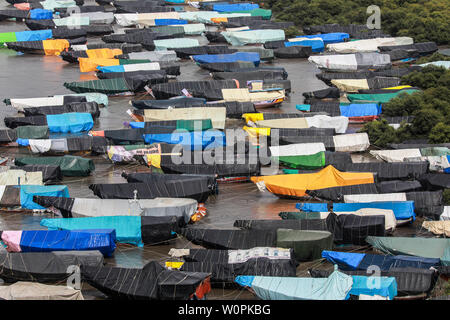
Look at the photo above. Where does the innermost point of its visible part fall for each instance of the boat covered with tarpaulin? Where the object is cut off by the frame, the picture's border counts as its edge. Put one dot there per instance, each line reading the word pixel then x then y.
pixel 199 89
pixel 217 115
pixel 51 47
pixel 352 62
pixel 242 38
pixel 73 122
pixel 134 230
pixel 231 57
pixel 102 240
pixel 368 45
pixel 71 166
pixel 24 290
pixel 151 282
pixel 57 100
pixel 354 111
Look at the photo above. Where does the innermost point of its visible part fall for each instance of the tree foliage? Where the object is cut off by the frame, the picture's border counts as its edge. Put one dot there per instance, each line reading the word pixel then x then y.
pixel 423 20
pixel 430 108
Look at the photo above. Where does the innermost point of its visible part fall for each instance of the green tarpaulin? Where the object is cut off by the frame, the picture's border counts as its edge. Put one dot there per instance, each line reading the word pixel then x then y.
pixel 378 97
pixel 71 166
pixel 32 132
pixel 435 151
pixel 265 14
pixel 299 215
pixel 7 37
pixel 307 245
pixel 312 161
pixel 194 125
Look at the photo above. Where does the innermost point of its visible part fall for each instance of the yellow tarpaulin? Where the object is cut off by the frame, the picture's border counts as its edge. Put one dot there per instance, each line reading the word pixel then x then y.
pixel 154 160
pixel 105 53
pixel 255 132
pixel 91 64
pixel 253 117
pixel 295 185
pixel 174 264
pixel 243 95
pixel 397 88
pixel 55 47
pixel 219 20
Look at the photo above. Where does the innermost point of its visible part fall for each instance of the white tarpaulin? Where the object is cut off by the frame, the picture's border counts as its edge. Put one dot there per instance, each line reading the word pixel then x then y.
pixel 217 115
pixel 244 95
pixel 437 163
pixel 396 155
pixel 158 207
pixel 175 43
pixel 390 222
pixel 440 228
pixel 37 291
pixel 240 256
pixel 286 123
pixel 20 177
pixel 374 197
pixel 297 149
pixel 368 45
pixel 353 142
pixel 154 56
pixel 145 19
pixel 340 123
pixel 96 17
pixel 242 38
pixel 193 28
pixel 445 214
pixel 338 62
pixel 141 66
pixel 19 104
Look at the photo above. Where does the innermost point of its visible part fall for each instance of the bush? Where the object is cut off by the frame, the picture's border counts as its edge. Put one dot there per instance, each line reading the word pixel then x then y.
pixel 446 197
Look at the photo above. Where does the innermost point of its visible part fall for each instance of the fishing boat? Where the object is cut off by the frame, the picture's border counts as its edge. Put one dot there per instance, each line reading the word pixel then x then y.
pixel 60 240
pixel 338 286
pixel 71 166
pixel 151 282
pixel 23 290
pixel 135 230
pixel 45 267
pixel 297 185
pixel 225 265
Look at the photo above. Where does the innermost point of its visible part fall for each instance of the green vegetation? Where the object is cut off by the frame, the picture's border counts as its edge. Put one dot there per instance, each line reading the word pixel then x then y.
pixel 423 20
pixel 430 107
pixel 434 57
pixel 447 197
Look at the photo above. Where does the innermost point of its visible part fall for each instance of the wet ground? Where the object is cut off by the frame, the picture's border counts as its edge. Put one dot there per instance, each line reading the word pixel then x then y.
pixel 26 76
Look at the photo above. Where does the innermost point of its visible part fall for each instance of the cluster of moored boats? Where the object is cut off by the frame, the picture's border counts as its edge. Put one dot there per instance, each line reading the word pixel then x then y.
pixel 139 47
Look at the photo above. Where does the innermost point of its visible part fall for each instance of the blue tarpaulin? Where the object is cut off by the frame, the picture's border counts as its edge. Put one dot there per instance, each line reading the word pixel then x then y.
pixel 349 259
pixel 34 35
pixel 27 193
pixel 381 286
pixel 65 240
pixel 402 209
pixel 329 37
pixel 316 45
pixel 232 57
pixel 233 7
pixel 197 140
pixel 41 14
pixel 70 122
pixel 312 207
pixel 360 109
pixel 169 22
pixel 106 69
pixel 128 228
pixel 447 170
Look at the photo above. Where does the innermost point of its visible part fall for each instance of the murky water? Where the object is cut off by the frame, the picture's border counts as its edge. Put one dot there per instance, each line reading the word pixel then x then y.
pixel 36 76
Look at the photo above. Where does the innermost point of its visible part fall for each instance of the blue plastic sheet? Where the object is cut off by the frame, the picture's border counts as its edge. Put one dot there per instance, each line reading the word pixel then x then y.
pixel 197 140
pixel 232 57
pixel 233 7
pixel 360 109
pixel 28 192
pixel 381 286
pixel 169 22
pixel 34 35
pixel 447 170
pixel 346 260
pixel 316 45
pixel 402 209
pixel 312 207
pixel 23 142
pixel 107 69
pixel 65 240
pixel 329 37
pixel 128 228
pixel 41 14
pixel 70 122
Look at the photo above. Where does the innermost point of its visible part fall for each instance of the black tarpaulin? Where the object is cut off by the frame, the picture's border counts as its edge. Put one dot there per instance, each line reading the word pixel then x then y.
pixel 329 93
pixel 8 135
pixel 230 239
pixel 223 274
pixel 293 52
pixel 64 205
pixel 229 66
pixel 199 89
pixel 310 132
pixel 11 197
pixel 215 37
pixel 124 136
pixel 387 171
pixel 397 72
pixel 328 141
pixel 336 194
pixel 45 266
pixel 50 173
pixel 87 143
pixel 427 203
pixel 14 122
pixel 155 230
pixel 139 9
pixel 398 186
pixel 68 33
pixel 152 282
pixel 243 77
pixel 185 53
pixel 84 107
pixel 435 181
pixel 416 145
pixel 182 188
pixel 183 102
pixel 424 48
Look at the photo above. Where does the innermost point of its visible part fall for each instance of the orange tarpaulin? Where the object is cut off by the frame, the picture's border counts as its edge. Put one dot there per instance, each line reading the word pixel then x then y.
pixel 219 20
pixel 91 64
pixel 55 47
pixel 23 6
pixel 103 53
pixel 295 185
pixel 97 133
